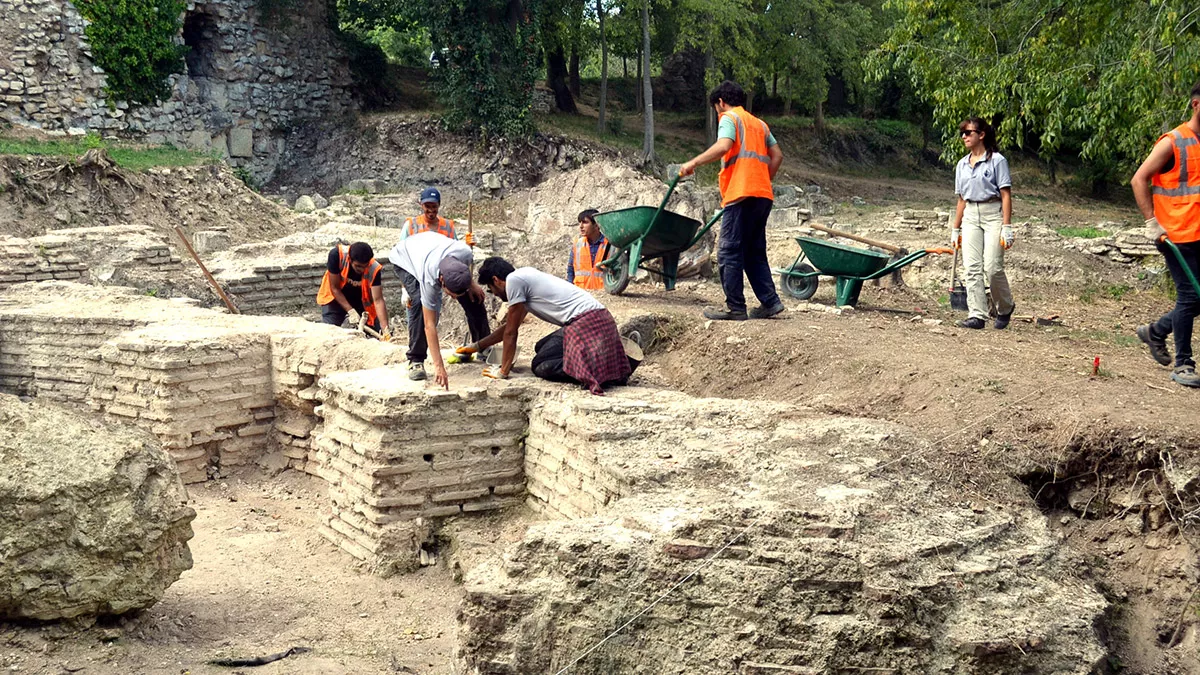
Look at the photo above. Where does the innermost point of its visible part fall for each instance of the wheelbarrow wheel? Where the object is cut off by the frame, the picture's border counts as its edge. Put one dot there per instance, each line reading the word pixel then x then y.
pixel 616 275
pixel 800 288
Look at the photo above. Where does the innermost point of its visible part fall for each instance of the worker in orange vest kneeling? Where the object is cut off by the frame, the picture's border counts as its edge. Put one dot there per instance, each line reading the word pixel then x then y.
pixel 353 286
pixel 590 249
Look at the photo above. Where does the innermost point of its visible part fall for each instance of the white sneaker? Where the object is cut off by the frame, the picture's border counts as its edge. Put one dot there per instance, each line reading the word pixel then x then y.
pixel 416 371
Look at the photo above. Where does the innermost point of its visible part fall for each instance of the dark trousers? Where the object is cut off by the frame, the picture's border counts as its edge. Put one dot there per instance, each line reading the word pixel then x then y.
pixel 548 360
pixel 418 345
pixel 334 315
pixel 743 249
pixel 1187 303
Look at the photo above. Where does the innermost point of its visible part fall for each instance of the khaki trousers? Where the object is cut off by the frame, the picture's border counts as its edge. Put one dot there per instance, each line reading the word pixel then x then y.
pixel 983 259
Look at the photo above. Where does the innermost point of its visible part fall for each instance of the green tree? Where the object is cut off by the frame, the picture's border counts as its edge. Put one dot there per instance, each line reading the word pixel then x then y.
pixel 1103 77
pixel 134 42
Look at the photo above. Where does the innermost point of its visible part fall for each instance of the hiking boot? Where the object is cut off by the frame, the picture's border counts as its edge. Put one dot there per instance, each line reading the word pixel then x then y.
pixel 766 312
pixel 416 370
pixel 724 315
pixel 1158 347
pixel 974 323
pixel 1186 375
pixel 1002 320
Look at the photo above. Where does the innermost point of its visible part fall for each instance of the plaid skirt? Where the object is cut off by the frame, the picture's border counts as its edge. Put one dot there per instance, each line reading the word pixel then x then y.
pixel 592 350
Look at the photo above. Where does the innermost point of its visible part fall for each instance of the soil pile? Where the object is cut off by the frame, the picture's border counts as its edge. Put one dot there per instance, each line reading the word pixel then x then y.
pixel 95 521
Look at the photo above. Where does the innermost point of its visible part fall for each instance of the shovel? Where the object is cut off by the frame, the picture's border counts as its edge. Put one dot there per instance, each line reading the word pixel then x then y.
pixel 958 292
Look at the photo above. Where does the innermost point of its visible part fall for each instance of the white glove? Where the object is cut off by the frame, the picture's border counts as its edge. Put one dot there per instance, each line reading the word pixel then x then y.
pixel 353 318
pixel 495 373
pixel 405 299
pixel 362 320
pixel 956 238
pixel 1007 237
pixel 1154 230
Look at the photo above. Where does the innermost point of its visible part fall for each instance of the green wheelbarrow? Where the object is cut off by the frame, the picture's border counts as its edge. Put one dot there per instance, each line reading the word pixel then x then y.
pixel 641 233
pixel 850 265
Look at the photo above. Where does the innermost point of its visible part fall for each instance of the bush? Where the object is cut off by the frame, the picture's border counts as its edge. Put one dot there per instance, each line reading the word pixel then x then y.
pixel 134 42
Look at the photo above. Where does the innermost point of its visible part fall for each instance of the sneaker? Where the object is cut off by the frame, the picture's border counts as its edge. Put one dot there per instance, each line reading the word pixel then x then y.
pixel 455 359
pixel 724 315
pixel 1002 320
pixel 766 312
pixel 1158 348
pixel 1186 375
pixel 416 371
pixel 974 323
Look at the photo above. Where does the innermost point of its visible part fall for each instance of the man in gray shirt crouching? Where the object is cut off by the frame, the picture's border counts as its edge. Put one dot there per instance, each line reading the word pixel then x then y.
pixel 587 349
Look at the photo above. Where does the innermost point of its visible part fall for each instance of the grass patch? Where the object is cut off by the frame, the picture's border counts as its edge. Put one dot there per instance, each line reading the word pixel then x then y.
pixel 1088 232
pixel 1116 339
pixel 1091 293
pixel 135 157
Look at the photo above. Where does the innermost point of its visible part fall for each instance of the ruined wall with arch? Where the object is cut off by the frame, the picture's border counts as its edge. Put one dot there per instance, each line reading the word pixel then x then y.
pixel 248 79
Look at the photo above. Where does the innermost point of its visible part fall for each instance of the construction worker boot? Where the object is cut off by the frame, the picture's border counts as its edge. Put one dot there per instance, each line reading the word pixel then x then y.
pixel 766 312
pixel 1157 347
pixel 1186 375
pixel 724 315
pixel 416 370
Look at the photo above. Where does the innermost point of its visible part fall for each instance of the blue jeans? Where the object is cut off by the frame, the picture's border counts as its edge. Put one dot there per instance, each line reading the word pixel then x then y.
pixel 1187 303
pixel 743 248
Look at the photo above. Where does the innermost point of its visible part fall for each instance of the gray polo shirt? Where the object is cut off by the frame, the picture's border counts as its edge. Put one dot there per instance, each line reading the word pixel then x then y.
pixel 982 182
pixel 548 297
pixel 420 254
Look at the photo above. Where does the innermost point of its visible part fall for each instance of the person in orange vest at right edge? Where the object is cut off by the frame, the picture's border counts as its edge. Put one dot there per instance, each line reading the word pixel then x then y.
pixel 590 248
pixel 750 157
pixel 353 285
pixel 1167 188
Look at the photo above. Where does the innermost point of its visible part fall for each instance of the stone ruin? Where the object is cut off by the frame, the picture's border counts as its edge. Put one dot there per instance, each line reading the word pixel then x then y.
pixel 794 544
pixel 249 78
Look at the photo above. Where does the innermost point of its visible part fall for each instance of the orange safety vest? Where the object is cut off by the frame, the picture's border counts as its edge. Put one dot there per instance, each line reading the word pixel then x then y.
pixel 418 224
pixel 325 295
pixel 587 275
pixel 1177 193
pixel 745 169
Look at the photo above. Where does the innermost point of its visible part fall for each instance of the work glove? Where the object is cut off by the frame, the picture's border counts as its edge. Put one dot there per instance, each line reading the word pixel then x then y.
pixel 362 320
pixel 956 238
pixel 405 298
pixel 353 318
pixel 1154 230
pixel 387 335
pixel 1008 237
pixel 469 239
pixel 495 373
pixel 468 349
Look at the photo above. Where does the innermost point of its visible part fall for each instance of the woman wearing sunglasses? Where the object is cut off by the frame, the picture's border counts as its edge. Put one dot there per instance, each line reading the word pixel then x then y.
pixel 983 223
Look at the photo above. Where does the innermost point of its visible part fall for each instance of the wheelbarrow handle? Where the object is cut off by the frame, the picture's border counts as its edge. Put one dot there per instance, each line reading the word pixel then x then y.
pixel 704 230
pixel 1182 263
pixel 941 250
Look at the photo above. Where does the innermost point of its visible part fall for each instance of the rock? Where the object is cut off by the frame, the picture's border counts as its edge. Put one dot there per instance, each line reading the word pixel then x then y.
pixel 858 201
pixel 784 217
pixel 241 142
pixel 319 201
pixel 366 185
pixel 822 204
pixel 95 518
pixel 491 181
pixel 305 204
pixel 211 241
pixel 787 196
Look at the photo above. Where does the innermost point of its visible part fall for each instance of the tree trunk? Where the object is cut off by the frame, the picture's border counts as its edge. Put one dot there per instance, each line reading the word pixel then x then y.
pixel 750 101
pixel 638 102
pixel 625 67
pixel 556 77
pixel 647 92
pixel 575 83
pixel 787 96
pixel 774 84
pixel 710 114
pixel 819 117
pixel 601 128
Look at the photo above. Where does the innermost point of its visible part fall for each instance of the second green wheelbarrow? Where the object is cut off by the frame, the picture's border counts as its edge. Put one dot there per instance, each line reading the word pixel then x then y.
pixel 641 233
pixel 850 265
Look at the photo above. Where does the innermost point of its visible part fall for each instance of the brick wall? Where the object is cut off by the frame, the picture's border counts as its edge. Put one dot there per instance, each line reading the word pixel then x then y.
pixel 38 259
pixel 395 454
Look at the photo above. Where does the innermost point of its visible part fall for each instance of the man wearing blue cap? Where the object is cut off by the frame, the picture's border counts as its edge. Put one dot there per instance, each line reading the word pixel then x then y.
pixel 430 221
pixel 429 265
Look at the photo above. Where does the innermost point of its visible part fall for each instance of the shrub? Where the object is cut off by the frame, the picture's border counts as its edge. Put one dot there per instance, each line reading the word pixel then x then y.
pixel 134 41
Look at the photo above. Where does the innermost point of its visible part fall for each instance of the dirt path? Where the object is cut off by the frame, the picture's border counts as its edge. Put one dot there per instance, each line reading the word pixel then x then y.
pixel 263 581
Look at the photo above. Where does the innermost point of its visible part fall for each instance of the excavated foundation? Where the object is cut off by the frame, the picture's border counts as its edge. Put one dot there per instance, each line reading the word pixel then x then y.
pixel 678 534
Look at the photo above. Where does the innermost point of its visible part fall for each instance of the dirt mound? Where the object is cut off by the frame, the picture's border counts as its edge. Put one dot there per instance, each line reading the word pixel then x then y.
pixel 42 193
pixel 95 522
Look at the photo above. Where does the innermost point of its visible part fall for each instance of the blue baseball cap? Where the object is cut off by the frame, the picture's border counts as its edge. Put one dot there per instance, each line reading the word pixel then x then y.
pixel 431 194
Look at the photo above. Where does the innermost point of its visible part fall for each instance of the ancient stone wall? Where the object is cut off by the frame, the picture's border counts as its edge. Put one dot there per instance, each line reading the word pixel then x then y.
pixel 248 79
pixel 395 454
pixel 564 476
pixel 37 259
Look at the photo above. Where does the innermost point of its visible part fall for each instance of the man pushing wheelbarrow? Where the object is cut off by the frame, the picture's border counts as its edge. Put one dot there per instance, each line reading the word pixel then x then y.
pixel 750 157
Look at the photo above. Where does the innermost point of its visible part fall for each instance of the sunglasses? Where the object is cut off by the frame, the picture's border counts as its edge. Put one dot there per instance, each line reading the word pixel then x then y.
pixel 968 132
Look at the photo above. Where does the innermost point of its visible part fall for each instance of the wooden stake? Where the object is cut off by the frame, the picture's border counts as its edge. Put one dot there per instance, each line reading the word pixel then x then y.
pixel 212 282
